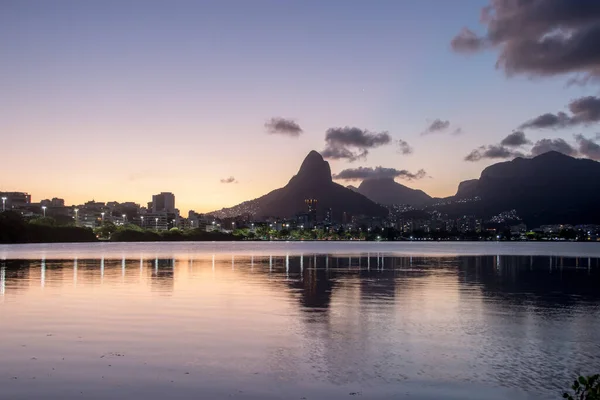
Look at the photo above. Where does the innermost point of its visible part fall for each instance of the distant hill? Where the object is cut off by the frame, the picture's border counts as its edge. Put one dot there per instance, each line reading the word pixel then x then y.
pixel 387 191
pixel 313 181
pixel 547 189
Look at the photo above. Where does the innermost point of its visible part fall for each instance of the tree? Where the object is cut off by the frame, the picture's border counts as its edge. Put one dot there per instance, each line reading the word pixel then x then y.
pixel 585 388
pixel 106 230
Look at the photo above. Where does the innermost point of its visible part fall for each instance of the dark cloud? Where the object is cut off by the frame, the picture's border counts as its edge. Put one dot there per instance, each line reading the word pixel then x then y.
pixel 352 143
pixel 548 120
pixel 340 153
pixel 457 131
pixel 364 173
pixel 539 37
pixel 403 147
pixel 492 152
pixel 283 126
pixel 588 147
pixel 585 111
pixel 546 145
pixel 515 139
pixel 436 126
pixel 231 179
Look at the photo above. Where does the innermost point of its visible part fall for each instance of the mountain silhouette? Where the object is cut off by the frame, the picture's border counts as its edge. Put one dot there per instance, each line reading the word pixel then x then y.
pixel 551 188
pixel 467 189
pixel 387 191
pixel 313 181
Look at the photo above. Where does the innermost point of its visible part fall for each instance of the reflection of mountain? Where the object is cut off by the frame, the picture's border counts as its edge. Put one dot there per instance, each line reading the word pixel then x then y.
pixel 315 288
pixel 545 281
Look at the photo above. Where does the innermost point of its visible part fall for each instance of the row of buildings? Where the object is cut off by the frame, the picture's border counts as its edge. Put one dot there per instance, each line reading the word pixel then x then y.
pixel 161 214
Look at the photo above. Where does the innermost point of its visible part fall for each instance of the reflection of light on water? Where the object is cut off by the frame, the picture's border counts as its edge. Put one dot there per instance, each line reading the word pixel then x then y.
pixel 368 261
pixel 270 263
pixel 301 262
pixel 75 271
pixel 102 269
pixel 141 266
pixel 252 263
pixel 213 263
pixel 232 261
pixel 123 266
pixel 287 266
pixel 2 281
pixel 43 273
pixel 156 266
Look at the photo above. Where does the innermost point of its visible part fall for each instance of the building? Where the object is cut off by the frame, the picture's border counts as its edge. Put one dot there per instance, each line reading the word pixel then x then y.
pixel 163 202
pixel 328 216
pixel 11 200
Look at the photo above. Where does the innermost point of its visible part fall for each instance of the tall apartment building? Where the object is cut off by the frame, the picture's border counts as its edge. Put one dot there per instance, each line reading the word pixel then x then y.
pixel 163 202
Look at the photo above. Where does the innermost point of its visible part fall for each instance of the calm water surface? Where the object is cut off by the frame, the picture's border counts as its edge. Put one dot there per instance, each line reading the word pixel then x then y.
pixel 294 320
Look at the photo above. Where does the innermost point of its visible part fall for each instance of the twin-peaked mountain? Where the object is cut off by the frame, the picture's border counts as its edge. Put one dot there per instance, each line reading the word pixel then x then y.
pixel 547 189
pixel 313 181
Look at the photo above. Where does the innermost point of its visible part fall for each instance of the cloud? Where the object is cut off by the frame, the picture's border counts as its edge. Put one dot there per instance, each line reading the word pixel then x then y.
pixel 588 147
pixel 515 139
pixel 352 143
pixel 584 111
pixel 457 131
pixel 436 126
pixel 492 152
pixel 548 120
pixel 231 179
pixel 467 42
pixel 364 173
pixel 403 147
pixel 539 37
pixel 546 145
pixel 283 126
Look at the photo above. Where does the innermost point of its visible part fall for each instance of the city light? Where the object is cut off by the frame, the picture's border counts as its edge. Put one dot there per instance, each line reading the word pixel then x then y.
pixel 3 204
pixel 44 211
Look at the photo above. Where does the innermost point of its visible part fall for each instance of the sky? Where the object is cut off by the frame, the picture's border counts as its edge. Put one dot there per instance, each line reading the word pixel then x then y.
pixel 120 100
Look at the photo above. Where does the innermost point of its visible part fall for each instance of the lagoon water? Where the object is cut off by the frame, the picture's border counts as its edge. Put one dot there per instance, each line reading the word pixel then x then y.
pixel 297 320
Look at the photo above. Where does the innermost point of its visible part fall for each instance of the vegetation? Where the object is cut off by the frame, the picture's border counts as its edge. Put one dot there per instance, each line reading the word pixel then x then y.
pixel 134 233
pixel 15 229
pixel 585 388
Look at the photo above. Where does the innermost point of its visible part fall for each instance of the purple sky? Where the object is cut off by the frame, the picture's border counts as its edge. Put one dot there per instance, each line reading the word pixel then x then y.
pixel 118 100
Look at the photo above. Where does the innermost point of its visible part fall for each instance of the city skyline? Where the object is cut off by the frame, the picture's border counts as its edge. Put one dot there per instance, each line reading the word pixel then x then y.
pixel 219 102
